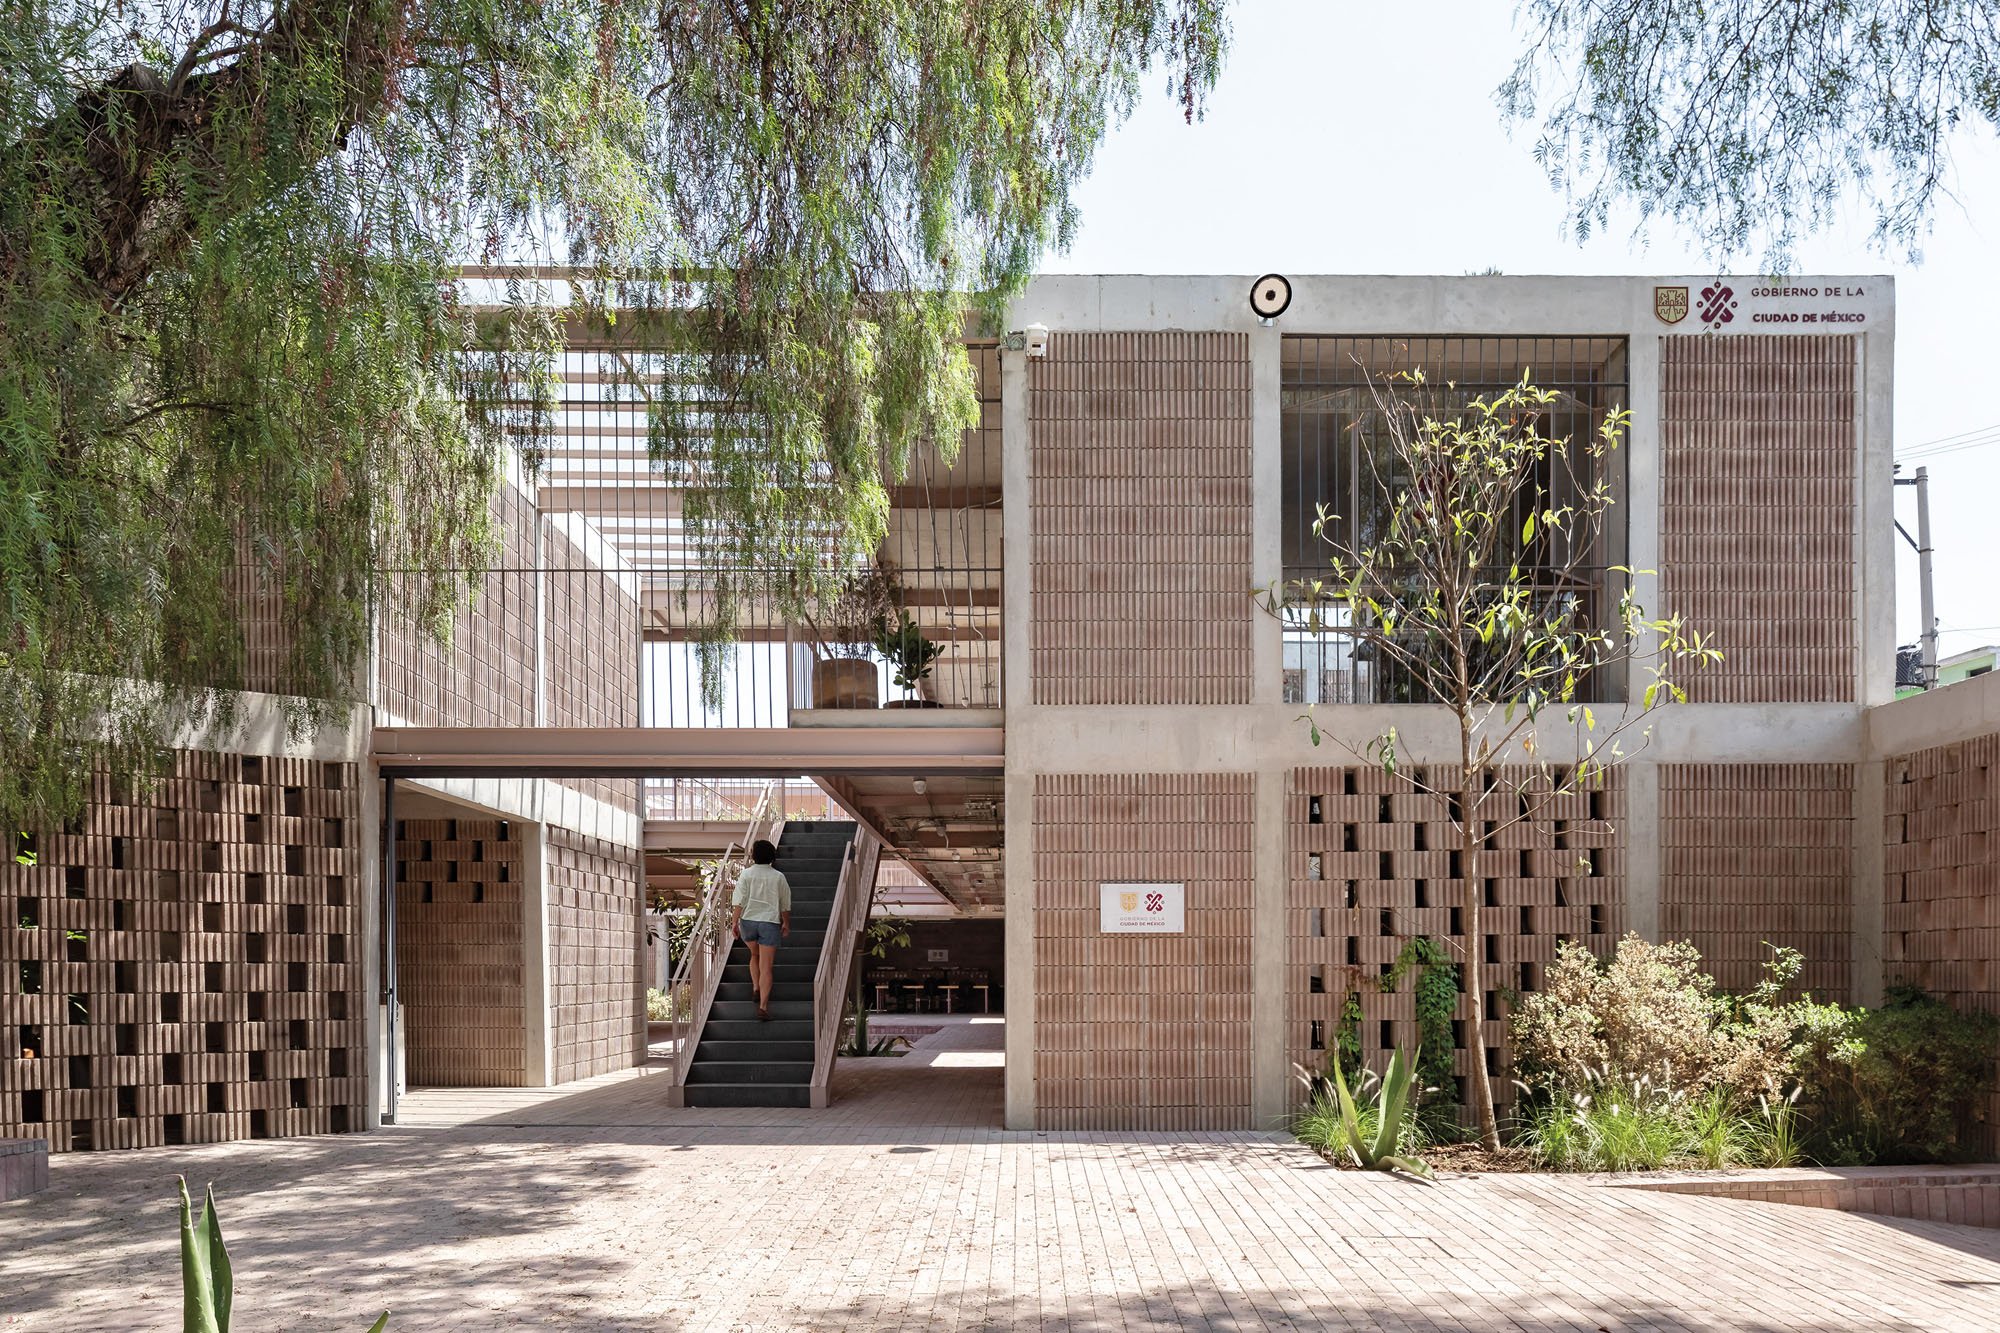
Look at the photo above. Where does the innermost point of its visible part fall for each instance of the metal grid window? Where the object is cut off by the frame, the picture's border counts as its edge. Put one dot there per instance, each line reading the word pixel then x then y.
pixel 1336 453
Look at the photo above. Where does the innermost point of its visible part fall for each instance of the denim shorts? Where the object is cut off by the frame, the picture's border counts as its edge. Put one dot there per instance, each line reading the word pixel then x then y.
pixel 759 932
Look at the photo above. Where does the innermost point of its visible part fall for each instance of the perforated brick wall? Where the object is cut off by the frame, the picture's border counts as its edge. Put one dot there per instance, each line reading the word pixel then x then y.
pixel 1373 864
pixel 1941 919
pixel 1139 481
pixel 1138 1031
pixel 183 966
pixel 1755 855
pixel 460 952
pixel 598 994
pixel 1759 443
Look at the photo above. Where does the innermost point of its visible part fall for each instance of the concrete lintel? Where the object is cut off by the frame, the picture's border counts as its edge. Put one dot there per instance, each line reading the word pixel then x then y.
pixel 684 751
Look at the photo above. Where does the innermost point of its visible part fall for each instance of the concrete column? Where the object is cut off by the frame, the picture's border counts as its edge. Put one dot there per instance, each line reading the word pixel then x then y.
pixel 368 903
pixel 1269 1010
pixel 537 1021
pixel 1268 1007
pixel 1870 874
pixel 1267 550
pixel 1645 859
pixel 1016 535
pixel 1641 504
pixel 1875 515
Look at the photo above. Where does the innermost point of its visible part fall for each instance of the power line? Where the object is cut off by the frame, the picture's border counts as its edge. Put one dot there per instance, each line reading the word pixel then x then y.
pixel 1951 444
pixel 1947 439
pixel 1949 450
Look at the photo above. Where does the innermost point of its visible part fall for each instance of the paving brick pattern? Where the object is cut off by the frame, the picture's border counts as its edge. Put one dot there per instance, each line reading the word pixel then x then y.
pixel 870 1222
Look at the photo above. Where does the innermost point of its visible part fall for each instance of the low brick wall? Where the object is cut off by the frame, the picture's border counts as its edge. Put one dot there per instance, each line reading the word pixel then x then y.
pixel 1963 1195
pixel 24 1167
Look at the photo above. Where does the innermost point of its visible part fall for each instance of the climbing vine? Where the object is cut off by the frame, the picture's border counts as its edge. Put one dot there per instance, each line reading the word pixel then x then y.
pixel 1436 992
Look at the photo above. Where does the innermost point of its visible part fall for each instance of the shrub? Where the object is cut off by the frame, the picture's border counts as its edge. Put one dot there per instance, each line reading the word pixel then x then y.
pixel 1375 1126
pixel 1908 1082
pixel 1652 1014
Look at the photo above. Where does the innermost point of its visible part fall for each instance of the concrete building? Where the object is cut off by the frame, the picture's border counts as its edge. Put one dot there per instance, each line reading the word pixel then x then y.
pixel 1110 708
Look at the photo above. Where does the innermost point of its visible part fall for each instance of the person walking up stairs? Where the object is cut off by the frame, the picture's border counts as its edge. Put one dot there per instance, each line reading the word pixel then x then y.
pixel 763 902
pixel 757 1047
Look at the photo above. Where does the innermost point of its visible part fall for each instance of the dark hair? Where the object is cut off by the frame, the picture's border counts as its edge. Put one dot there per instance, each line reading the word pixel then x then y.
pixel 762 852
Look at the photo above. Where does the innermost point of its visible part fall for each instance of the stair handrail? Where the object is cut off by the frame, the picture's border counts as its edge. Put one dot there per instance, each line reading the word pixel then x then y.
pixel 698 971
pixel 849 914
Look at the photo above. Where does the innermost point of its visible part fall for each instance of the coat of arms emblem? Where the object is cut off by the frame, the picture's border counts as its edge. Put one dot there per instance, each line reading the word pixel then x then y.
pixel 1670 304
pixel 1128 902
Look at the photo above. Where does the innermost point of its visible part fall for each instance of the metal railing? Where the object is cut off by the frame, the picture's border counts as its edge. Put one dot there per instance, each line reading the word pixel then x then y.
pixel 707 800
pixel 699 970
pixel 836 959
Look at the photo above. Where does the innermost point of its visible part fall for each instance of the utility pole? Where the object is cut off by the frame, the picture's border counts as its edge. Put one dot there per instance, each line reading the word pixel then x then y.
pixel 1928 654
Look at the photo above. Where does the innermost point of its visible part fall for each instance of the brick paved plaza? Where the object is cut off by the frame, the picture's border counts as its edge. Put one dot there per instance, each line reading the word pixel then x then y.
pixel 906 1207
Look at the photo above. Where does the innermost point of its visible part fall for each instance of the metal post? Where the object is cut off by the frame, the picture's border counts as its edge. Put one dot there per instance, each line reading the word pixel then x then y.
pixel 1930 638
pixel 389 996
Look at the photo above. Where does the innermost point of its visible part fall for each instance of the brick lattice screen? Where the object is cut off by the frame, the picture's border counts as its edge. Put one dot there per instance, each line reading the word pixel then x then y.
pixel 1371 865
pixel 1140 485
pixel 599 1013
pixel 1132 1031
pixel 1941 920
pixel 1759 446
pixel 185 966
pixel 460 952
pixel 1761 852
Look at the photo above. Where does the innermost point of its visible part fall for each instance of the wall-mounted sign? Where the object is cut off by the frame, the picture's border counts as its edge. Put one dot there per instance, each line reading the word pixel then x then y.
pixel 1797 305
pixel 940 955
pixel 1142 909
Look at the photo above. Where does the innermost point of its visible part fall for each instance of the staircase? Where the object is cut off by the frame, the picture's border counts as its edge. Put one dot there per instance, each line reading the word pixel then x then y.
pixel 741 1060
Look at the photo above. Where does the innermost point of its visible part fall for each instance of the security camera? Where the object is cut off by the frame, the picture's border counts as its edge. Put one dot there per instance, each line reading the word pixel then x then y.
pixel 1269 296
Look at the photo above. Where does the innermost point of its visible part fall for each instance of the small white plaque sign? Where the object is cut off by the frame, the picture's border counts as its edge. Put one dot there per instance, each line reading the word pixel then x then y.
pixel 1142 909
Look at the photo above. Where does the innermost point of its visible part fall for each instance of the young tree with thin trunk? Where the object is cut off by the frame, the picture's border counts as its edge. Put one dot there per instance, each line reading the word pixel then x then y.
pixel 1481 585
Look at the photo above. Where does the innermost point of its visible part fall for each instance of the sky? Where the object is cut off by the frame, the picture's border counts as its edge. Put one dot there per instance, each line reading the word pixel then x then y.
pixel 1364 138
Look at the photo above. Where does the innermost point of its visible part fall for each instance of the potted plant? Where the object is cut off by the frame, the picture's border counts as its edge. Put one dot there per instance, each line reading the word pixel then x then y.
pixel 903 645
pixel 844 673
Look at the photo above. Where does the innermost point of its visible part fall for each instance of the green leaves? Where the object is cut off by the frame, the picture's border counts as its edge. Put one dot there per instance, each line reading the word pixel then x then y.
pixel 238 368
pixel 207 1284
pixel 1751 124
pixel 1373 1141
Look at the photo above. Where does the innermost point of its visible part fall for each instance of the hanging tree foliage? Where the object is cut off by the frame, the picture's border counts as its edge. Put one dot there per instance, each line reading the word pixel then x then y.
pixel 235 362
pixel 1752 123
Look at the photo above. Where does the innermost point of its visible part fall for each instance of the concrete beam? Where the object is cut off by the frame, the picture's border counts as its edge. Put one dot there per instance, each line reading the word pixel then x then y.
pixel 688 751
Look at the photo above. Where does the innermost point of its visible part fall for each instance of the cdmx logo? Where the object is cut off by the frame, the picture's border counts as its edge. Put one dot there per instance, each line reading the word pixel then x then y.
pixel 1718 305
pixel 1156 902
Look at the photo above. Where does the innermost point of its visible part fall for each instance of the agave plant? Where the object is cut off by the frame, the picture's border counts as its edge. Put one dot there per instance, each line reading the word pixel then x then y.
pixel 1381 1151
pixel 208 1286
